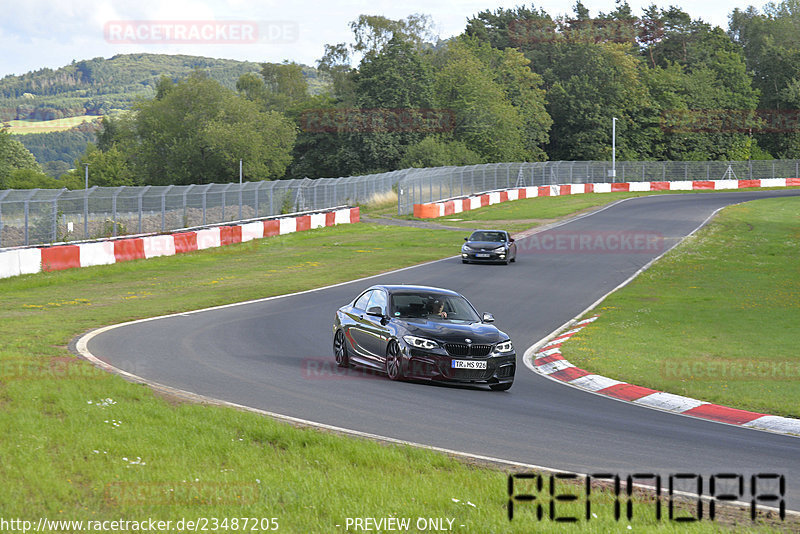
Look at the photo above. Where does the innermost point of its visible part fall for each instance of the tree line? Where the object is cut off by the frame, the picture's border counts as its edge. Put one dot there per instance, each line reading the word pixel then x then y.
pixel 517 85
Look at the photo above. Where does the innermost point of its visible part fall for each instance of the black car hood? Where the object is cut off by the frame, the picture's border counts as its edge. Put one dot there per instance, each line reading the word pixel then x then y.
pixel 479 333
pixel 488 245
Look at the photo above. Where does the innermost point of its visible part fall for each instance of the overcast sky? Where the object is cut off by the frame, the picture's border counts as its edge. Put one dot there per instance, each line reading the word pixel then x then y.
pixel 50 33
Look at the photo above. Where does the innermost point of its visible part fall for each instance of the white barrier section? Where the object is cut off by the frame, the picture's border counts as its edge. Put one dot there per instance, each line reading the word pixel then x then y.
pixel 288 225
pixel 602 188
pixel 474 203
pixel 726 184
pixel 683 185
pixel 208 238
pixel 253 230
pixel 30 261
pixel 531 192
pixel 342 217
pixel 513 194
pixel 317 220
pixel 555 190
pixel 458 206
pixel 639 186
pixel 158 245
pixel 97 253
pixel 9 263
pixel 494 198
pixel 773 182
pixel 576 189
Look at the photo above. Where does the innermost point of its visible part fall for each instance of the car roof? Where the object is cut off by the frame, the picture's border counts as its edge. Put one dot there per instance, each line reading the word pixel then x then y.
pixel 399 288
pixel 488 230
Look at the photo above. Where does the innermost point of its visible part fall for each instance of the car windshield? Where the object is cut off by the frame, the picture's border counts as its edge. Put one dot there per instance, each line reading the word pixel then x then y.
pixel 488 236
pixel 432 306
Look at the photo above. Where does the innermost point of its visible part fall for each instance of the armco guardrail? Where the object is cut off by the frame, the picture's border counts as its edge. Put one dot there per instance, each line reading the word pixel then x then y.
pixel 18 261
pixel 457 205
pixel 422 186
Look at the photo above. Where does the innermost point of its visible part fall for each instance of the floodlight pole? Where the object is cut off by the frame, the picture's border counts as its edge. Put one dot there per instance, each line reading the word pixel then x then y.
pixel 240 190
pixel 614 149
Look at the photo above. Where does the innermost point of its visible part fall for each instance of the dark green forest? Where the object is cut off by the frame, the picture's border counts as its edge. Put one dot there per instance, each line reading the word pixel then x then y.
pixel 517 85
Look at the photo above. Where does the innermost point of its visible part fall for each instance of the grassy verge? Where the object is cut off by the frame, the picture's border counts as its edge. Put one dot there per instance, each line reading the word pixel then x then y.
pixel 716 319
pixel 80 444
pixel 55 125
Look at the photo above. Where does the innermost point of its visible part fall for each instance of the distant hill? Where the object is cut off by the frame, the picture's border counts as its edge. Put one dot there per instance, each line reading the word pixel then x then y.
pixel 98 86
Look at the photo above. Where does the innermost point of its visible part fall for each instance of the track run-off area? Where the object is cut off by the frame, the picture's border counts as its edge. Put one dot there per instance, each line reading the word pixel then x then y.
pixel 275 355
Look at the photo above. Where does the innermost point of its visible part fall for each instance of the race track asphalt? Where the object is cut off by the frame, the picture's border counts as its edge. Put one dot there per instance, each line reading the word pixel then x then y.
pixel 276 355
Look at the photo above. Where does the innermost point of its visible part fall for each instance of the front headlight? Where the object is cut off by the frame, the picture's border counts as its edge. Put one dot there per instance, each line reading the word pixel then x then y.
pixel 420 342
pixel 500 249
pixel 465 248
pixel 505 346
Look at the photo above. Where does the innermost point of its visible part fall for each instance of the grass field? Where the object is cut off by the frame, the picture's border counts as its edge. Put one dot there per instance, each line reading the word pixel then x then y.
pixel 715 319
pixel 80 444
pixel 55 125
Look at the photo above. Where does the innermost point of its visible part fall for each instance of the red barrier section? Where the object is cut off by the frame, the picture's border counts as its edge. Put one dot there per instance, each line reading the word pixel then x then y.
pixel 702 184
pixel 749 183
pixel 503 196
pixel 588 188
pixel 793 181
pixel 466 204
pixel 569 374
pixel 627 392
pixel 229 235
pixel 564 189
pixel 303 223
pixel 330 218
pixel 620 187
pixel 523 193
pixel 59 258
pixel 544 190
pixel 723 414
pixel 272 227
pixel 185 242
pixel 129 249
pixel 659 186
pixel 484 200
pixel 449 207
pixel 355 214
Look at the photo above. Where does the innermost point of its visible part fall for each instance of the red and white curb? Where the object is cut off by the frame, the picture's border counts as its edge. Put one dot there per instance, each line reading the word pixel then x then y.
pixel 14 262
pixel 549 361
pixel 457 205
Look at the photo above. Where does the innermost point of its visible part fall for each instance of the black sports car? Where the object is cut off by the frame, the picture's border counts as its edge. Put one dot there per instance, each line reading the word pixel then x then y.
pixel 489 246
pixel 425 333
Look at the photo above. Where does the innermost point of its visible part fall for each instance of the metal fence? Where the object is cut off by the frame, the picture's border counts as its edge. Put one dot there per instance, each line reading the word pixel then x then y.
pixel 40 216
pixel 429 185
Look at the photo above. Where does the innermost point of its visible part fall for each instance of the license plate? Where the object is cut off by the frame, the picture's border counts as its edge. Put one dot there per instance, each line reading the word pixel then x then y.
pixel 481 255
pixel 469 364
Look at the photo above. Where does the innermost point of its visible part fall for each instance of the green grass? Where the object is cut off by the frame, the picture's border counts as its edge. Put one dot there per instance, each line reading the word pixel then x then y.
pixel 693 323
pixel 82 444
pixel 55 125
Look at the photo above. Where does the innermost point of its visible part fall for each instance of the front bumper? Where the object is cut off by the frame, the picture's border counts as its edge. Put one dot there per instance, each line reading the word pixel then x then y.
pixel 437 365
pixel 485 256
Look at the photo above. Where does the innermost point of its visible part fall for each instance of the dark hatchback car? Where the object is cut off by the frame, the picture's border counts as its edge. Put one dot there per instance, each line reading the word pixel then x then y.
pixel 489 246
pixel 427 333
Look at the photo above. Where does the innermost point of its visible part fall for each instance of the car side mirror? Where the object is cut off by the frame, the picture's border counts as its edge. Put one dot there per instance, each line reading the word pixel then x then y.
pixel 375 311
pixel 487 318
pixel 511 239
pixel 466 239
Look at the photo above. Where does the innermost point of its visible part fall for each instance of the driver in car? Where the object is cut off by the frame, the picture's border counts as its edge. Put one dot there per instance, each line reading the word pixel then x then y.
pixel 437 308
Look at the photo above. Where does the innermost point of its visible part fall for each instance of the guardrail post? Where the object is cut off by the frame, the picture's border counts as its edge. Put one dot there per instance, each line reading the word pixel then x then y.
pixel 85 216
pixel 164 208
pixel 26 220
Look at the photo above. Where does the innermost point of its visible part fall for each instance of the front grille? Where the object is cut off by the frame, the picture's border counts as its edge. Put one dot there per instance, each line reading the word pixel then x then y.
pixel 470 374
pixel 505 371
pixel 462 349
